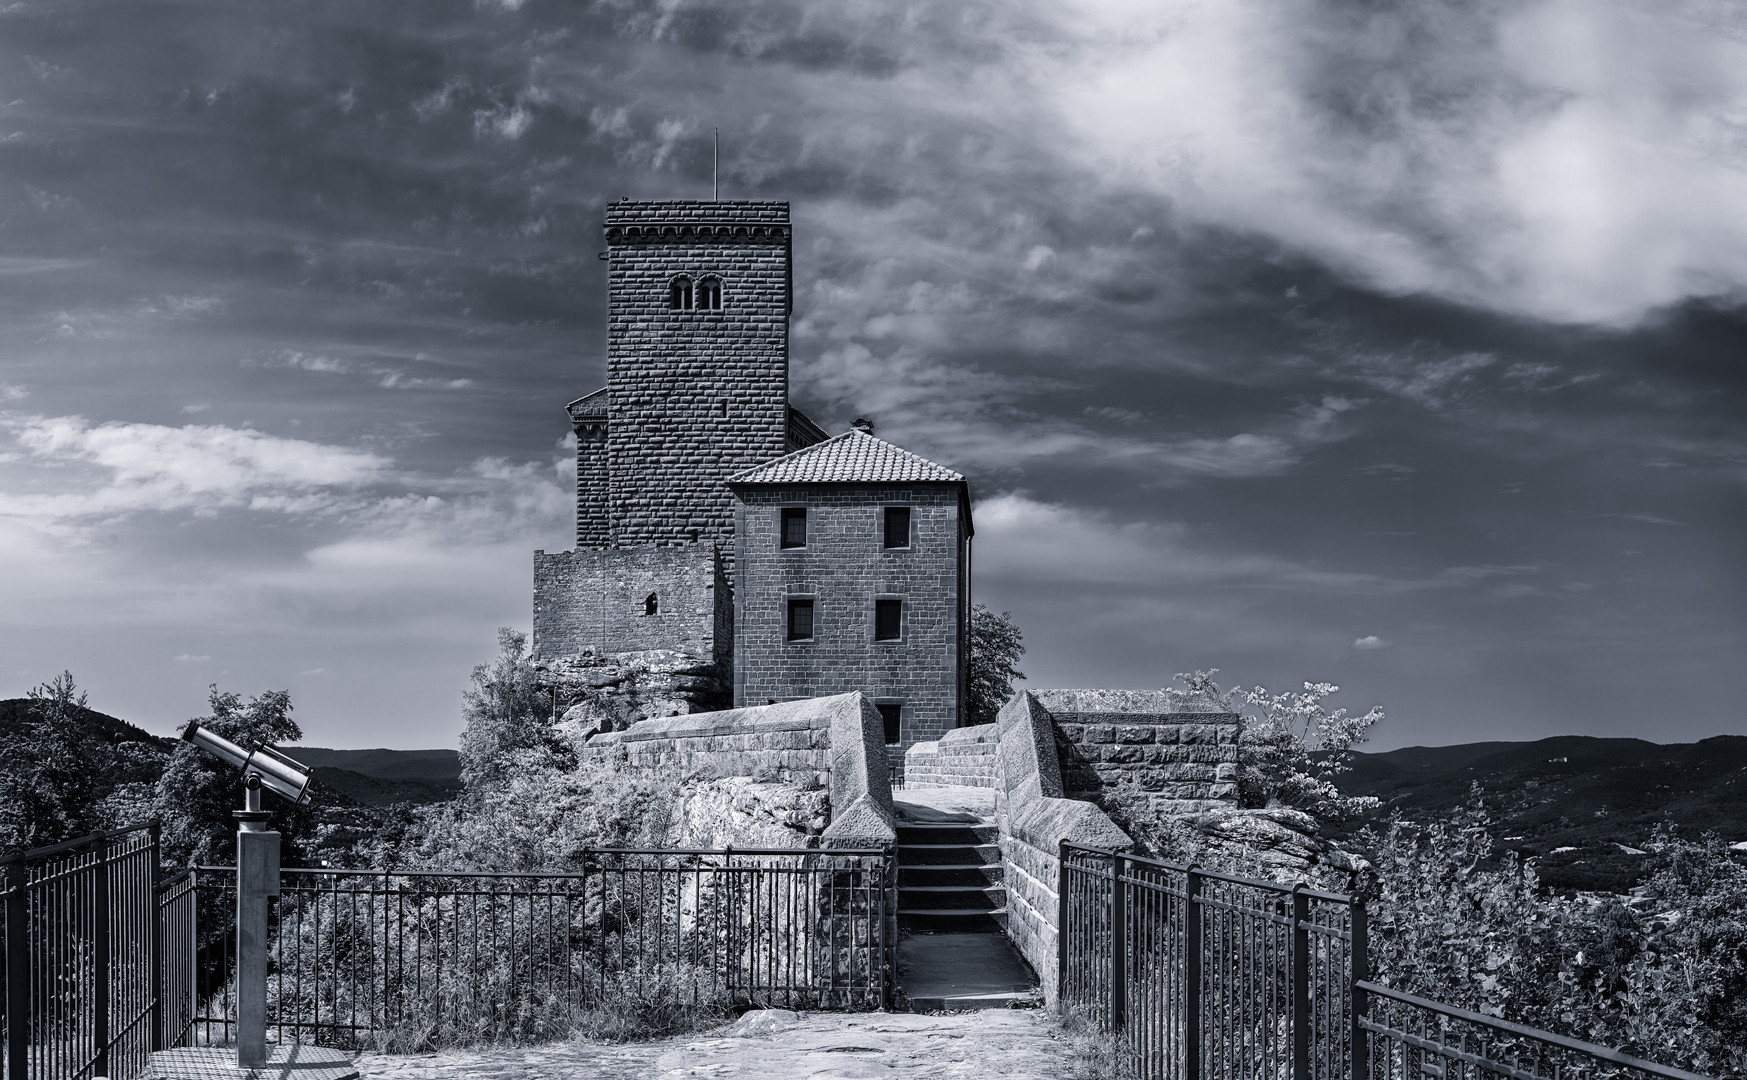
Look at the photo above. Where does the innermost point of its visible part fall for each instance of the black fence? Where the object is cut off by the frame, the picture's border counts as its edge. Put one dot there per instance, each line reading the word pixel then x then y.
pixel 430 957
pixel 85 929
pixel 1207 976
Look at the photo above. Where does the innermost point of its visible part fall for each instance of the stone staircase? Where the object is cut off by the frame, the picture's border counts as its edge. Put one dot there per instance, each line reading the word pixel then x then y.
pixel 949 877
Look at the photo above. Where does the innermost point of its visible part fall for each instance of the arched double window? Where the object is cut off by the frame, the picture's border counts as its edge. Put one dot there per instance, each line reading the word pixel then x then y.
pixel 704 294
pixel 679 293
pixel 710 294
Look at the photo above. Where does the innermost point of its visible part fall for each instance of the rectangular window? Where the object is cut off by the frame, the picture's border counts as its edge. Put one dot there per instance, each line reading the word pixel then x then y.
pixel 892 712
pixel 794 528
pixel 888 620
pixel 897 526
pixel 800 618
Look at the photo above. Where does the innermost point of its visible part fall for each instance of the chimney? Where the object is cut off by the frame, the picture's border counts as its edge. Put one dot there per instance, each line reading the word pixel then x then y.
pixel 862 424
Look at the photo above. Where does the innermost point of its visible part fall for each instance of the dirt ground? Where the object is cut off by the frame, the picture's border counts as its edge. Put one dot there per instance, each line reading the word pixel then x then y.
pixel 774 1044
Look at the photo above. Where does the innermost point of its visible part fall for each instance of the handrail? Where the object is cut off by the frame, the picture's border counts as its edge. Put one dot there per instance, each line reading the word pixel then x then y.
pixel 1274 886
pixel 340 871
pixel 1551 1039
pixel 72 845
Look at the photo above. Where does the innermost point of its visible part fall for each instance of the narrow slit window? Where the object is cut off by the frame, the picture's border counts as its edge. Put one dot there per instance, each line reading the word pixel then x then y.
pixel 892 712
pixel 794 527
pixel 679 294
pixel 801 618
pixel 888 619
pixel 710 294
pixel 651 605
pixel 897 526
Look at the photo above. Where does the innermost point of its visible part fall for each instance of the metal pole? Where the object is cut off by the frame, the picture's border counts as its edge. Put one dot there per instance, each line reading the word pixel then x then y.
pixel 1118 946
pixel 154 962
pixel 1300 983
pixel 17 970
pixel 1193 935
pixel 1360 1038
pixel 100 960
pixel 257 878
pixel 1061 920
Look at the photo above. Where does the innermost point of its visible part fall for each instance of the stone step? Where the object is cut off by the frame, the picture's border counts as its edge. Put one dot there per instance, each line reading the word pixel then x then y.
pixel 947 854
pixel 947 832
pixel 951 898
pixel 953 920
pixel 974 875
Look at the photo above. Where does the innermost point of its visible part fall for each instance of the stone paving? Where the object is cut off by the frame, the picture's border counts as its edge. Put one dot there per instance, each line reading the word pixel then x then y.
pixel 774 1044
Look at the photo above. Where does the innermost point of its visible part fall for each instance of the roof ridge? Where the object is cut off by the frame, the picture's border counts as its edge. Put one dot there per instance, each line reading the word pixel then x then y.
pixel 854 456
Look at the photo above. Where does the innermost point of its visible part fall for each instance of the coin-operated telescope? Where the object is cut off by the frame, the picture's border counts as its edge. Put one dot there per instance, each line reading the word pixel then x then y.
pixel 257 874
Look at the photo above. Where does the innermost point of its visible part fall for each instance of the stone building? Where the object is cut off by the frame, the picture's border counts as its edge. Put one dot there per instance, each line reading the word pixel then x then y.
pixel 690 461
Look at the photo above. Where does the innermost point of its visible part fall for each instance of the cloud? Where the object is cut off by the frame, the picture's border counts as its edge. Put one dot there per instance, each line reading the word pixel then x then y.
pixel 191 658
pixel 389 378
pixel 119 468
pixel 1566 160
pixel 1369 642
pixel 9 392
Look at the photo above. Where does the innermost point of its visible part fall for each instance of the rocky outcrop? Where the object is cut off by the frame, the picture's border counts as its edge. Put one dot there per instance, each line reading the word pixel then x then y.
pixel 1282 842
pixel 611 691
pixel 745 812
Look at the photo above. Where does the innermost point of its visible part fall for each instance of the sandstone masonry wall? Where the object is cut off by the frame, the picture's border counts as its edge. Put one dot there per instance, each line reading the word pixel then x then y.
pixel 696 395
pixel 1034 820
pixel 844 568
pixel 1183 753
pixel 963 757
pixel 594 600
pixel 831 742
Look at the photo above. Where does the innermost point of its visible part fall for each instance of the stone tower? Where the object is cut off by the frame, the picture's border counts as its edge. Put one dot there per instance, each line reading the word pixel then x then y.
pixel 697 390
pixel 697 370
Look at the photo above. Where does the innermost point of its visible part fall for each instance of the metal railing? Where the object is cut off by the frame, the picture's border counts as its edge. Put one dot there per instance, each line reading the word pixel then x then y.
pixel 83 937
pixel 1208 976
pixel 434 956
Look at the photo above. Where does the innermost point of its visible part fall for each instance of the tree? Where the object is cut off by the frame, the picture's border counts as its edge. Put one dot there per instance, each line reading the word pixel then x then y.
pixel 995 647
pixel 48 776
pixel 507 711
pixel 1293 748
pixel 197 792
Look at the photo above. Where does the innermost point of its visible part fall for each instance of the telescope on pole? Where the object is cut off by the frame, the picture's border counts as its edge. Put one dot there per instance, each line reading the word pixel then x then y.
pixel 262 767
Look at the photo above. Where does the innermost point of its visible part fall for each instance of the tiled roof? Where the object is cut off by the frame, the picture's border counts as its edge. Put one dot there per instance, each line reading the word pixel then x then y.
pixel 854 457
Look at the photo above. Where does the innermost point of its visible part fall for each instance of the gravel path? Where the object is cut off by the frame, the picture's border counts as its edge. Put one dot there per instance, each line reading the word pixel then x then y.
pixel 778 1045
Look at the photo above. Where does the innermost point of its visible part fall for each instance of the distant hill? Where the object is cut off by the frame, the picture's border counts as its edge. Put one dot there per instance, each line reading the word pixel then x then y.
pixel 1577 802
pixel 436 766
pixel 15 714
pixel 379 777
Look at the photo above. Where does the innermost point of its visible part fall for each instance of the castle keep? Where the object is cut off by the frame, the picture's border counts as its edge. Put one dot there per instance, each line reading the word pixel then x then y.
pixel 720 530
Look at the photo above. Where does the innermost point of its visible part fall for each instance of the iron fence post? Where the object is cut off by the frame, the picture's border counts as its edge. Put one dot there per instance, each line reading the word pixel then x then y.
pixel 17 969
pixel 1360 1039
pixel 1061 921
pixel 1118 946
pixel 155 962
pixel 1193 935
pixel 1300 960
pixel 100 944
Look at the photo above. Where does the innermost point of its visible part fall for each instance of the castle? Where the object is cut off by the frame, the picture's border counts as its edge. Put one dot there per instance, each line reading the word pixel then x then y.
pixel 716 522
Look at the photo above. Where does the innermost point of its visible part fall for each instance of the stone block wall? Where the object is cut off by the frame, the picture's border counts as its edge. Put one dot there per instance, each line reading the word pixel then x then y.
pixel 588 419
pixel 734 742
pixel 1034 820
pixel 844 567
pixel 964 757
pixel 595 599
pixel 696 395
pixel 1185 754
pixel 833 742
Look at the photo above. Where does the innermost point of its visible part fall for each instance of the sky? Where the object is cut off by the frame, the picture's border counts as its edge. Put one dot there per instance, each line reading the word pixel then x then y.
pixel 1401 346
